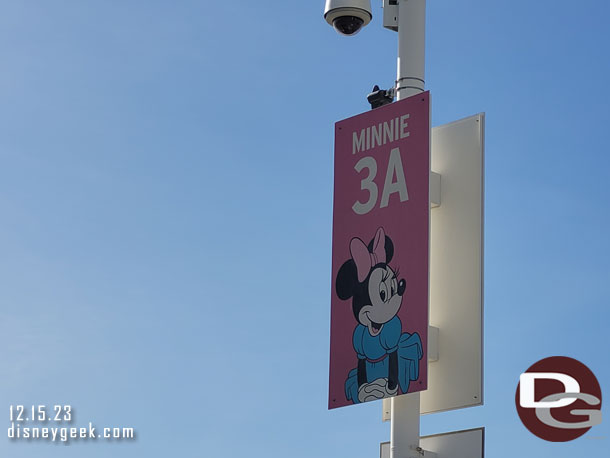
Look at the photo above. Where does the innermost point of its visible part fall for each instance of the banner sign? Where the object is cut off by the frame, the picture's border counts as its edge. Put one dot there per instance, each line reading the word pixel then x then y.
pixel 381 218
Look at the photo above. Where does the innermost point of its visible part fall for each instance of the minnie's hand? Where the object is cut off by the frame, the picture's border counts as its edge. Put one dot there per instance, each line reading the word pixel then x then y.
pixel 377 389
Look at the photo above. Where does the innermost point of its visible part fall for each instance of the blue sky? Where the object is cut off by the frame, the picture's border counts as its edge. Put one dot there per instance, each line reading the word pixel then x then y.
pixel 166 199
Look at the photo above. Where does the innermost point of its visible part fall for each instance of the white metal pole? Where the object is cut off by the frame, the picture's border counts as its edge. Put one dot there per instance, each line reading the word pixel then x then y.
pixel 404 417
pixel 404 427
pixel 411 48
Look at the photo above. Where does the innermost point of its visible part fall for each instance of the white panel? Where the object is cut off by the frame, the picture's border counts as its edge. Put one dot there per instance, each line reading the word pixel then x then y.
pixel 459 444
pixel 455 380
pixel 456 267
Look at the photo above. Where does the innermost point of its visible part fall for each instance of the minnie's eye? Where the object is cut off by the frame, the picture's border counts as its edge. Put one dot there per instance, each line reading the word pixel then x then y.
pixel 383 292
pixel 393 288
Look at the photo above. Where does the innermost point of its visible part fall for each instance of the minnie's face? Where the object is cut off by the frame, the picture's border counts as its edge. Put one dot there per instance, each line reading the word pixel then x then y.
pixel 386 293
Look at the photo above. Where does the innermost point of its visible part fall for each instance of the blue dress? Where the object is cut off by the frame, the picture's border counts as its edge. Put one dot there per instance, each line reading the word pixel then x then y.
pixel 375 350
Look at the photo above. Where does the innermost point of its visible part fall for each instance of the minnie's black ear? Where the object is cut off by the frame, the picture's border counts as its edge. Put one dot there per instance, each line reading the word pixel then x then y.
pixel 389 248
pixel 347 279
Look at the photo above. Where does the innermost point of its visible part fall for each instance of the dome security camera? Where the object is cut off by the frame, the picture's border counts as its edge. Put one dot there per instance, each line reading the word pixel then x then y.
pixel 348 16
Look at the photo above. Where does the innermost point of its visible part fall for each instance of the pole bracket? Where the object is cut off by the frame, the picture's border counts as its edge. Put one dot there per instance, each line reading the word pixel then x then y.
pixel 432 343
pixel 390 14
pixel 423 453
pixel 435 189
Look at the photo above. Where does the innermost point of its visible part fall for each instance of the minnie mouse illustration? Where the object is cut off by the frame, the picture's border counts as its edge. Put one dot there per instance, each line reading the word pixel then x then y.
pixel 388 359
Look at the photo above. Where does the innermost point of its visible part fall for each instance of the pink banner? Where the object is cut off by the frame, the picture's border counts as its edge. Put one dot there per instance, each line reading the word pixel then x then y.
pixel 381 218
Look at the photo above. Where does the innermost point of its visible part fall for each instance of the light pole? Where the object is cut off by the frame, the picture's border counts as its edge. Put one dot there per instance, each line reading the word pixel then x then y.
pixel 410 79
pixel 407 17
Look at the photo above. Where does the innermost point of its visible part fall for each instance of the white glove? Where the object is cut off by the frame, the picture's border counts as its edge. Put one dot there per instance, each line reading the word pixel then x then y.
pixel 377 389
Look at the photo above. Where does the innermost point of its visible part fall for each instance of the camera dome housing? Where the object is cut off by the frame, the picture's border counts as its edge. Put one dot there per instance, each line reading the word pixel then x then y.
pixel 348 16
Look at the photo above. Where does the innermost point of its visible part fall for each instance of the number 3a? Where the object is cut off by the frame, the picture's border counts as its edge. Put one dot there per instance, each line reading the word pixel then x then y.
pixel 389 186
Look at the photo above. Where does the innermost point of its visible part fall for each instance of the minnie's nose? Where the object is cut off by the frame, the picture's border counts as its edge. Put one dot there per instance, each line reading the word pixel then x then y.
pixel 402 285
